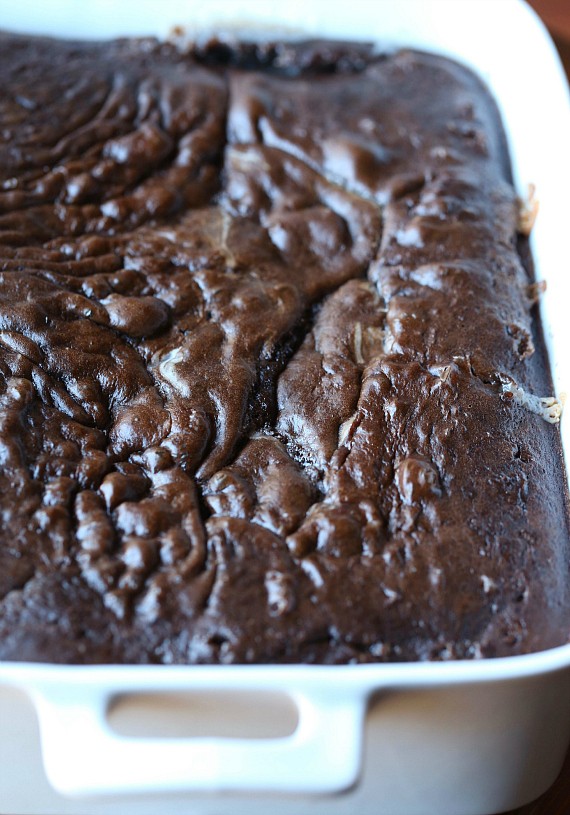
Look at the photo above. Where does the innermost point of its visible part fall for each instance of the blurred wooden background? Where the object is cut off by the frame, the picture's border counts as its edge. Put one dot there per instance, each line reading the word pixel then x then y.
pixel 556 15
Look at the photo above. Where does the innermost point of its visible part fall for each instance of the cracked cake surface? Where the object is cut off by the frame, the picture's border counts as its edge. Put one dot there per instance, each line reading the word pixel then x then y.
pixel 272 382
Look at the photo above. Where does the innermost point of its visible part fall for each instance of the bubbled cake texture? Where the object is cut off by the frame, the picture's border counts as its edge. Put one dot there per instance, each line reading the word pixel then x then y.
pixel 270 364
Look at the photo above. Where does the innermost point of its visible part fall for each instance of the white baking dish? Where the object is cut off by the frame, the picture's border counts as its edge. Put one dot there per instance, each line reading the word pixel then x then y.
pixel 463 738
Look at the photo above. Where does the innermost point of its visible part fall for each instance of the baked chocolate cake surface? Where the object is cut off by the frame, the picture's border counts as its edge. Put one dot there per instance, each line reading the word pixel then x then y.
pixel 270 368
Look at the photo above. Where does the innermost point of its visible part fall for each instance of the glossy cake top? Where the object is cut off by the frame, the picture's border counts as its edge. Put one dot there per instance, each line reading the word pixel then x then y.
pixel 270 368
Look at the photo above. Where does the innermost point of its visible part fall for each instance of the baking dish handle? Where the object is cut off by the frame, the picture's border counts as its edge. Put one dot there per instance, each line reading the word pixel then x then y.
pixel 83 755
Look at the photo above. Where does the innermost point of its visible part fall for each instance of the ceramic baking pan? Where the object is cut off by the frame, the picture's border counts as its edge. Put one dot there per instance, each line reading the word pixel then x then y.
pixel 460 738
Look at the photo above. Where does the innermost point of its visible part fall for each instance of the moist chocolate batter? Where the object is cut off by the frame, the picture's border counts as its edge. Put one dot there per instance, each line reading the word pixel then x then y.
pixel 270 367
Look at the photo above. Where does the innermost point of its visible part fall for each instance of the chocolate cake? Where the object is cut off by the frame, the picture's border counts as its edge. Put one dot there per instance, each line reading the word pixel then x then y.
pixel 272 380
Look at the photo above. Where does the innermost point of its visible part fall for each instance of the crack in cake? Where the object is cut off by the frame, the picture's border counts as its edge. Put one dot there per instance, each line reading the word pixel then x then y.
pixel 272 380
